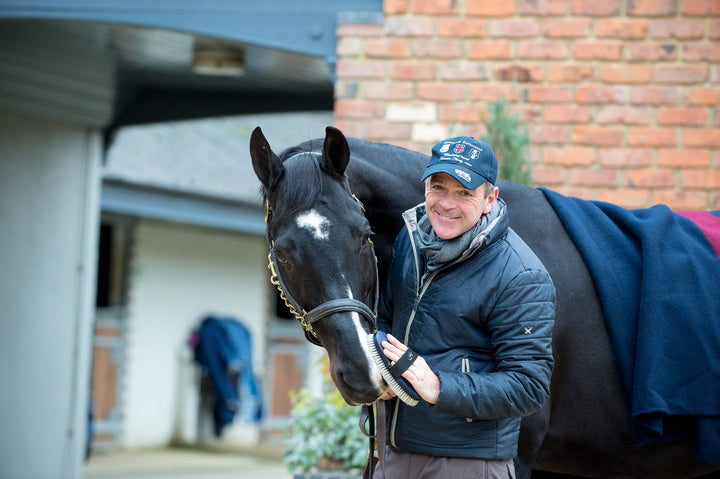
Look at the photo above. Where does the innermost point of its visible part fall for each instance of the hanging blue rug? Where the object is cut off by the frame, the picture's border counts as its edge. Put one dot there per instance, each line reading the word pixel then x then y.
pixel 657 274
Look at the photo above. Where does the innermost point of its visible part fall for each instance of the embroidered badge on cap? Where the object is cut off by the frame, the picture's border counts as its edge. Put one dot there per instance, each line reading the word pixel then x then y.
pixel 463 175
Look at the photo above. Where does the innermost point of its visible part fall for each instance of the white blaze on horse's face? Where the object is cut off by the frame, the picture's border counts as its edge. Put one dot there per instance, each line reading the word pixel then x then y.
pixel 316 223
pixel 362 337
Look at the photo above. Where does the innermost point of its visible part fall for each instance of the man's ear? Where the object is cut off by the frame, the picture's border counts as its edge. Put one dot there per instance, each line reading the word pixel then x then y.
pixel 491 199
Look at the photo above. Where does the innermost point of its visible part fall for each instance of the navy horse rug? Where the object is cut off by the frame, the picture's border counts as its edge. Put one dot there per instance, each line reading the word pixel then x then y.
pixel 657 274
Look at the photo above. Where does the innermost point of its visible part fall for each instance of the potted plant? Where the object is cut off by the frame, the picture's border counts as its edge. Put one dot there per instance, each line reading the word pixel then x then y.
pixel 323 438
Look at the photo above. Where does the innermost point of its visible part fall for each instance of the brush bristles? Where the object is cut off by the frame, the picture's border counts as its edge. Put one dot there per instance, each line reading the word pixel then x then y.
pixel 385 372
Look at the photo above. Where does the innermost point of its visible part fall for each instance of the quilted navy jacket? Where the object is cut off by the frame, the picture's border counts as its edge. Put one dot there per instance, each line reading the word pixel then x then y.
pixel 484 326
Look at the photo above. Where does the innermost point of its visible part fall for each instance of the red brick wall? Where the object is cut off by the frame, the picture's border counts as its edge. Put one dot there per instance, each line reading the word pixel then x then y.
pixel 621 97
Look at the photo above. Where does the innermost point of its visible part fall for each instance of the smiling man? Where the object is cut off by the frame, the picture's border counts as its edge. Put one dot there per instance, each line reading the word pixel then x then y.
pixel 477 307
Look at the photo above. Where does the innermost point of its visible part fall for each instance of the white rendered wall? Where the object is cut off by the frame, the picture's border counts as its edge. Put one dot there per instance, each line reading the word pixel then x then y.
pixel 49 208
pixel 179 275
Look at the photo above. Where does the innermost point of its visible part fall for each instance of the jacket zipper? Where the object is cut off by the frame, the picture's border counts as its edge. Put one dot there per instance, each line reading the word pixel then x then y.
pixel 466 369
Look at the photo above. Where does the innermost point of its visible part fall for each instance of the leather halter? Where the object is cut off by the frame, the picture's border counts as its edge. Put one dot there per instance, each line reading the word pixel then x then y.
pixel 308 318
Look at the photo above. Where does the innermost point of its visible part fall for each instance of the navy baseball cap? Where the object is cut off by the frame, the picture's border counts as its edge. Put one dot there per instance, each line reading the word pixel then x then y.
pixel 470 161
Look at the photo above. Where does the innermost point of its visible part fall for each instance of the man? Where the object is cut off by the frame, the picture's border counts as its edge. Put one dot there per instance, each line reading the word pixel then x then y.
pixel 477 307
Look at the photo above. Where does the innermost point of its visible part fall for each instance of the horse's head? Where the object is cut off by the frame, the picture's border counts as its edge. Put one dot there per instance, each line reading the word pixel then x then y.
pixel 322 254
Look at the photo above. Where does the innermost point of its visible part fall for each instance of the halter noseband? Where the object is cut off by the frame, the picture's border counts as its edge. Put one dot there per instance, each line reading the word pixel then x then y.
pixel 308 318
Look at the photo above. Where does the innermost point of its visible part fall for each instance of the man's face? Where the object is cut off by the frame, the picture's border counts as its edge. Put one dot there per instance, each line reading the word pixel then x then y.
pixel 453 209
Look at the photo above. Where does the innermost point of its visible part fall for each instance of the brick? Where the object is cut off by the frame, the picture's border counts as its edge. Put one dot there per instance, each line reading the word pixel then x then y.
pixel 548 134
pixel 351 128
pixel 349 47
pixel 570 73
pixel 626 157
pixel 650 178
pixel 395 7
pixel 593 177
pixel 714 32
pixel 490 8
pixel 626 73
pixel 566 28
pixel 513 28
pixel 359 109
pixel 700 179
pixel 654 95
pixel 680 29
pixel 468 114
pixel 701 7
pixel 680 199
pixel 386 90
pixel 528 113
pixel 640 136
pixel 489 50
pixel 677 158
pixel 358 30
pixel 597 135
pixel 703 96
pixel 461 27
pixel 703 137
pixel 701 52
pixel 625 197
pixel 566 114
pixel 597 50
pixel 542 7
pixel 409 26
pixel 520 74
pixel 493 92
pixel 548 94
pixel 652 8
pixel 599 94
pixel 377 130
pixel 623 115
pixel 682 116
pixel 594 8
pixel 437 48
pixel 543 50
pixel 652 52
pixel 463 70
pixel 681 74
pixel 713 204
pixel 347 68
pixel 569 156
pixel 433 132
pixel 411 111
pixel 440 92
pixel 578 192
pixel 625 29
pixel 435 7
pixel 548 175
pixel 387 48
pixel 412 70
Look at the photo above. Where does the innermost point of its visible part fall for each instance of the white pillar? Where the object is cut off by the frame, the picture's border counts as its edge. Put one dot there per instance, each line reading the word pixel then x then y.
pixel 49 215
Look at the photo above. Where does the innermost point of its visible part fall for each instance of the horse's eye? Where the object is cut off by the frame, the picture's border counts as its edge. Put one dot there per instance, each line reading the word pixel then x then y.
pixel 280 257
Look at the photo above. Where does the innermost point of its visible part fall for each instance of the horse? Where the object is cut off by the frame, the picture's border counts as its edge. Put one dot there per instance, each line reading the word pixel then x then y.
pixel 332 201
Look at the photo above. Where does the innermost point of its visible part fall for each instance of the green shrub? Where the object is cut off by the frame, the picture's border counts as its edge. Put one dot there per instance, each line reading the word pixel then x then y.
pixel 324 433
pixel 510 141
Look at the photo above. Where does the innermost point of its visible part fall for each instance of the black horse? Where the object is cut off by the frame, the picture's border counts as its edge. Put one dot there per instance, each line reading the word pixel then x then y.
pixel 320 237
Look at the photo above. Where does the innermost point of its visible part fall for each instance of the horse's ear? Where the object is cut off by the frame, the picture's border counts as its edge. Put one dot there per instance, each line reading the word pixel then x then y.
pixel 336 152
pixel 266 164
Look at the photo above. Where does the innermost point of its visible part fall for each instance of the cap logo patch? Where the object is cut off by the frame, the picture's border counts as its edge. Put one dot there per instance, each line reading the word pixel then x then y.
pixel 445 148
pixel 459 148
pixel 474 154
pixel 463 175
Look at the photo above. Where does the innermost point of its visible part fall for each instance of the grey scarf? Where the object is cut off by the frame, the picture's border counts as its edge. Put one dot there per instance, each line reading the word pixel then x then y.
pixel 440 252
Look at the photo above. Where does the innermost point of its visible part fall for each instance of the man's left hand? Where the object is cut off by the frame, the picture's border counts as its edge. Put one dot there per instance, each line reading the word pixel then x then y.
pixel 419 374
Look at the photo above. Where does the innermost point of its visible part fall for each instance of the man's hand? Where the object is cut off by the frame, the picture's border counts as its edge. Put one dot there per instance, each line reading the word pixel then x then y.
pixel 419 374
